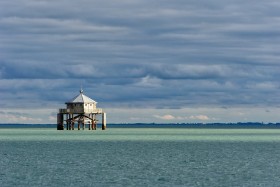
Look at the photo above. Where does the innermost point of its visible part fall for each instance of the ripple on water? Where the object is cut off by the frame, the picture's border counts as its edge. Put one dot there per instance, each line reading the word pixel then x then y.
pixel 139 157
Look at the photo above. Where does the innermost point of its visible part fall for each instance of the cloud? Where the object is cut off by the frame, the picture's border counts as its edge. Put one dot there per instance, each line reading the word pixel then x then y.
pixel 149 81
pixel 200 117
pixel 183 118
pixel 16 117
pixel 52 119
pixel 165 117
pixel 143 54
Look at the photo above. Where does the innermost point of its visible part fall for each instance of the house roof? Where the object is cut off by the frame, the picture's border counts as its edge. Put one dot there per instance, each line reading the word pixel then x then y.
pixel 81 98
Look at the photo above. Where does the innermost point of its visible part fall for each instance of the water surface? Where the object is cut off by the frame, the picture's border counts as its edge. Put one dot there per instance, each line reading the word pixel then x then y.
pixel 140 157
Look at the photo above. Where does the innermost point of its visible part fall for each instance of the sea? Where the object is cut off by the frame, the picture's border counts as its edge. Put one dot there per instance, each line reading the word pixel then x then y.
pixel 139 156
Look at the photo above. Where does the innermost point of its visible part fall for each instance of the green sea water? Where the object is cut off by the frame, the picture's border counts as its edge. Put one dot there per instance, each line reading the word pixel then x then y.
pixel 140 157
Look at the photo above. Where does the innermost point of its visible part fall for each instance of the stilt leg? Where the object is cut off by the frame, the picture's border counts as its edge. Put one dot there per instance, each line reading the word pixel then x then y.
pixel 95 122
pixel 103 121
pixel 60 125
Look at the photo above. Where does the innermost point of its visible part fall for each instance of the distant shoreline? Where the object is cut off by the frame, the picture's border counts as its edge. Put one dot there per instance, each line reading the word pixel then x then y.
pixel 158 125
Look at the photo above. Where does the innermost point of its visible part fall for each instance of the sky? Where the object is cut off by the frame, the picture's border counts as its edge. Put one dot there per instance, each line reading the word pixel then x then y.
pixel 161 61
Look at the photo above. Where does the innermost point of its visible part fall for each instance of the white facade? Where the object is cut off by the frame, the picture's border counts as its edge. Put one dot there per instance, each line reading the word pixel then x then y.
pixel 81 104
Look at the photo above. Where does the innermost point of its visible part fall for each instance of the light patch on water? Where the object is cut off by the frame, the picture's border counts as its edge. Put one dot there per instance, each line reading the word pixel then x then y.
pixel 141 134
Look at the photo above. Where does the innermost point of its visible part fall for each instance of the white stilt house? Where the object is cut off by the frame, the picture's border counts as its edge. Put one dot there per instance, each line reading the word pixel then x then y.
pixel 81 110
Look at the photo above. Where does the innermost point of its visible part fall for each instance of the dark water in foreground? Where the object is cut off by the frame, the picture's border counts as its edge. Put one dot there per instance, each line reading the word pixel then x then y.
pixel 140 157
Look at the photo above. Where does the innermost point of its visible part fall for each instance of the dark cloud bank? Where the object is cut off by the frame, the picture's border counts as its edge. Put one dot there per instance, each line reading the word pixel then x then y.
pixel 156 54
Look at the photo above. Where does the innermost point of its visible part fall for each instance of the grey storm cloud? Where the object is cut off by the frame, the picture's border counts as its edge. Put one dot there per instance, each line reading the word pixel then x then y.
pixel 221 53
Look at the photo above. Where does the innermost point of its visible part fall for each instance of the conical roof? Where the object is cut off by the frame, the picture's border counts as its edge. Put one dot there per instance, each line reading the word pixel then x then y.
pixel 81 98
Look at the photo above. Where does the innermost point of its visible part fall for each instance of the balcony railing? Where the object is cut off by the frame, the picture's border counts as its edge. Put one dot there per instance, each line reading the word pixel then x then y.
pixel 63 110
pixel 80 110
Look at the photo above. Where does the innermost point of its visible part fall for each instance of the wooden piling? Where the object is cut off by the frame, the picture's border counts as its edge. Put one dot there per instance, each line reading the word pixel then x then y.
pixel 94 122
pixel 104 121
pixel 60 125
pixel 67 122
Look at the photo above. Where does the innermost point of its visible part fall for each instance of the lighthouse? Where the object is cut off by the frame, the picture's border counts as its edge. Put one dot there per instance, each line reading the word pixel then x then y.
pixel 81 112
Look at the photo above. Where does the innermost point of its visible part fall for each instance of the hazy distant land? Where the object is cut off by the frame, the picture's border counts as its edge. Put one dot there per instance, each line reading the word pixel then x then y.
pixel 159 125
